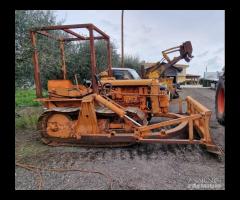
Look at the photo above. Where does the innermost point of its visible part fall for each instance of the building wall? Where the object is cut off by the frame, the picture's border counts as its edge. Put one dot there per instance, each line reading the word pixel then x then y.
pixel 181 77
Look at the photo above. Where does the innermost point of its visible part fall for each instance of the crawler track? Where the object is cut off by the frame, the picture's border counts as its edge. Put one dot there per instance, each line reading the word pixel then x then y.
pixel 86 141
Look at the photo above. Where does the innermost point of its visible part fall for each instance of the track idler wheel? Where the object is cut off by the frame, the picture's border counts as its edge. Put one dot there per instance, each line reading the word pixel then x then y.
pixel 55 125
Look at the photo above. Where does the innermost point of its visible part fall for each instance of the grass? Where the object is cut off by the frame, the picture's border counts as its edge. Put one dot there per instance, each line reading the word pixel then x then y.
pixel 26 108
pixel 27 117
pixel 27 112
pixel 24 97
pixel 26 121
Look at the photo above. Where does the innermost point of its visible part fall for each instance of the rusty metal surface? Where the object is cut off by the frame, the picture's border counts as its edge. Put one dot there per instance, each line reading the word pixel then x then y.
pixel 45 33
pixel 59 27
pixel 116 109
pixel 109 58
pixel 63 109
pixel 75 34
pixel 100 31
pixel 137 111
pixel 66 28
pixel 93 62
pixel 103 110
pixel 36 66
pixel 63 60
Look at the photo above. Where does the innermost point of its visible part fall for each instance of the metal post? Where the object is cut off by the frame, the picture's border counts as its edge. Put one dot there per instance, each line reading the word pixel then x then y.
pixel 122 63
pixel 36 66
pixel 109 58
pixel 63 59
pixel 190 129
pixel 93 60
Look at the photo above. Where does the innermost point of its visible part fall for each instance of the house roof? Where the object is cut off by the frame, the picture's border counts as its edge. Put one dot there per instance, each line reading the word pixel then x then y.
pixel 181 65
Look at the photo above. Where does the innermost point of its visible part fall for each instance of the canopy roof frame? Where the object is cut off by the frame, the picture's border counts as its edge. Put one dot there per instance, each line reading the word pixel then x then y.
pixel 77 37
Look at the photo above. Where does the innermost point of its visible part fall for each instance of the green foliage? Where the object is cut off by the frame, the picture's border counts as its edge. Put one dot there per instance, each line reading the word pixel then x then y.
pixel 132 62
pixel 25 97
pixel 25 20
pixel 78 59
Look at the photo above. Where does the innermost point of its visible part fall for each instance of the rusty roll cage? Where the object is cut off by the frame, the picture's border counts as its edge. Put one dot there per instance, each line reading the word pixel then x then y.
pixel 66 28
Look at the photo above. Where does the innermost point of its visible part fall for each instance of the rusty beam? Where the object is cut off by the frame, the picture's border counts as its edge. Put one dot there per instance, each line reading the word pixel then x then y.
pixel 96 38
pixel 63 60
pixel 75 34
pixel 70 39
pixel 93 61
pixel 86 38
pixel 199 107
pixel 100 32
pixel 60 27
pixel 45 33
pixel 168 123
pixel 36 65
pixel 190 129
pixel 109 56
pixel 73 26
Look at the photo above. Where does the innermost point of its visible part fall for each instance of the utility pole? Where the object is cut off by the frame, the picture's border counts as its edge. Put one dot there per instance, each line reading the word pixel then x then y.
pixel 122 61
pixel 205 73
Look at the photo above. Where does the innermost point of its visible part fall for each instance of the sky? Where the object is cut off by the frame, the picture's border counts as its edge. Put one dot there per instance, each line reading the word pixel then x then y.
pixel 148 32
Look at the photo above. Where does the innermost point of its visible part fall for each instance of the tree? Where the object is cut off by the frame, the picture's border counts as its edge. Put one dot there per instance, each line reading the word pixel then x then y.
pixel 78 59
pixel 24 20
pixel 132 62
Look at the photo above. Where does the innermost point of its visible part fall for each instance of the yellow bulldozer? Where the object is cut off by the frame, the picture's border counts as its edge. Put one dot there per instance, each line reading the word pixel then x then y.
pixel 112 112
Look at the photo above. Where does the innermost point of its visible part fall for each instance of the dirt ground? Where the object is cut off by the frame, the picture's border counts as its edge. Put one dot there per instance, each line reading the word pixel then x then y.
pixel 139 167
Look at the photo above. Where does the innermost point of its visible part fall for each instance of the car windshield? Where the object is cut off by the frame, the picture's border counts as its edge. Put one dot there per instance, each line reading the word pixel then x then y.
pixel 135 74
pixel 125 74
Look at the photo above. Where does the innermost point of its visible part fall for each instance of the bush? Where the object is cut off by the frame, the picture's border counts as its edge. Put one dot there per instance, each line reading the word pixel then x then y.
pixel 26 121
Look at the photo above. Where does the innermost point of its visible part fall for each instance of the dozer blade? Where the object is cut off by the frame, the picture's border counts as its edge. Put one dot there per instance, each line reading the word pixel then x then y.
pixel 202 124
pixel 196 118
pixel 215 149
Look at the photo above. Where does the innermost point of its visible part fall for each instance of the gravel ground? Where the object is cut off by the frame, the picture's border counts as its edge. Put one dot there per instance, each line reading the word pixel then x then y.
pixel 139 167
